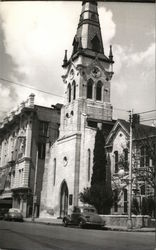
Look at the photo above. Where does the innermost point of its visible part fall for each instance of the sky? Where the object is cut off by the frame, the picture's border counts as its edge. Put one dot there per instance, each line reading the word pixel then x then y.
pixel 34 36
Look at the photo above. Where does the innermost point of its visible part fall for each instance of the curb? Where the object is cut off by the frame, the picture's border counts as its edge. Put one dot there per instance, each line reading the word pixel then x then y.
pixel 44 223
pixel 131 230
pixel 105 228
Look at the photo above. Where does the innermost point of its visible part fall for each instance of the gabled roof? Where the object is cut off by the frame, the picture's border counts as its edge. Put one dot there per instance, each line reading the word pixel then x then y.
pixel 140 131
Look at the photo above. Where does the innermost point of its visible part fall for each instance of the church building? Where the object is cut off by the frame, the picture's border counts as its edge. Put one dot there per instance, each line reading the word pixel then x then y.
pixel 87 76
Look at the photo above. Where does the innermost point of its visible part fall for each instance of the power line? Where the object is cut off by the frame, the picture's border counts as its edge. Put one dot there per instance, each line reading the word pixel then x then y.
pixel 149 111
pixel 50 93
pixel 29 87
pixel 150 119
pixel 125 110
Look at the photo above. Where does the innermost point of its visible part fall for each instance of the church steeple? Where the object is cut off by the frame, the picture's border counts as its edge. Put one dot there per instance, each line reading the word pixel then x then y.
pixel 88 38
pixel 87 74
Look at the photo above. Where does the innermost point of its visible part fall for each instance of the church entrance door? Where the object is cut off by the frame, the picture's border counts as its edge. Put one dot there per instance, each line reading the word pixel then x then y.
pixel 64 199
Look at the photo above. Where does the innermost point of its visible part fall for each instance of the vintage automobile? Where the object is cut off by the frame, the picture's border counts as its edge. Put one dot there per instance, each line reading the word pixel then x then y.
pixel 3 211
pixel 83 217
pixel 13 214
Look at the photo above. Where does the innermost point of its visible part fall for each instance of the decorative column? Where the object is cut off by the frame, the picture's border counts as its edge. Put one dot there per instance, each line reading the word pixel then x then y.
pixel 31 100
pixel 28 139
pixel 27 152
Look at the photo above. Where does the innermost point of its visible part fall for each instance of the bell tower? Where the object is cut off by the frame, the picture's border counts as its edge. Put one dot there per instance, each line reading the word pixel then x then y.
pixel 87 77
pixel 87 74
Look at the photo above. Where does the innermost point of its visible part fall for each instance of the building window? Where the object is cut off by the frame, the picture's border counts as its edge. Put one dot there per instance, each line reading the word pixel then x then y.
pixel 69 92
pixel 116 161
pixel 91 124
pixel 99 91
pixel 0 153
pixel 125 200
pixel 144 156
pixel 70 200
pixel 115 200
pixel 95 44
pixel 125 159
pixel 89 163
pixel 54 166
pixel 20 177
pixel 141 156
pixel 75 45
pixel 65 161
pixel 41 150
pixel 93 16
pixel 147 158
pixel 13 179
pixel 142 190
pixel 43 128
pixel 74 89
pixel 90 89
pixel 153 154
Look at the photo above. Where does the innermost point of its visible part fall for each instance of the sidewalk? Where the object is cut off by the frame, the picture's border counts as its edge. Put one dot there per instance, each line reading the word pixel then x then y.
pixel 58 222
pixel 47 221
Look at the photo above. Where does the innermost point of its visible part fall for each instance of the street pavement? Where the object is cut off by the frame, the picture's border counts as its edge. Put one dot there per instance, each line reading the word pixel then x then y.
pixel 38 236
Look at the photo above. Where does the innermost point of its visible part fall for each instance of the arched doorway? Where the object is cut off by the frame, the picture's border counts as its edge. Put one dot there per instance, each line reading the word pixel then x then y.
pixel 64 199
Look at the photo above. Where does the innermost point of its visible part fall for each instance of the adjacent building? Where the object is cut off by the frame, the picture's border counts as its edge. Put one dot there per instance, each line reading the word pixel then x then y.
pixel 87 78
pixel 143 165
pixel 24 134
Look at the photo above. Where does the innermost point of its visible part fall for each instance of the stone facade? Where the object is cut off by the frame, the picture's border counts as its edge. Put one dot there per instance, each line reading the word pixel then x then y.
pixel 23 138
pixel 87 76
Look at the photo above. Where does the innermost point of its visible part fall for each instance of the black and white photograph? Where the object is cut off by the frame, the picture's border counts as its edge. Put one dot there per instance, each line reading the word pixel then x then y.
pixel 77 125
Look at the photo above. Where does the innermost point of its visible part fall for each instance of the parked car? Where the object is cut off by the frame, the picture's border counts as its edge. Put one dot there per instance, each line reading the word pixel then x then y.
pixel 83 217
pixel 13 214
pixel 3 211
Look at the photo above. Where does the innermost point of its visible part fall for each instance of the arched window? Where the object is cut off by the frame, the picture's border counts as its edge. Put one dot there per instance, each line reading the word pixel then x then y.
pixel 99 91
pixel 69 92
pixel 54 166
pixel 90 89
pixel 125 201
pixel 116 200
pixel 142 190
pixel 74 89
pixel 116 161
pixel 89 162
pixel 125 159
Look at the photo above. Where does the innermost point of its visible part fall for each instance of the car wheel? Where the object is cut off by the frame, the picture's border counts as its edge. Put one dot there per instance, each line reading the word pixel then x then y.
pixel 65 223
pixel 81 224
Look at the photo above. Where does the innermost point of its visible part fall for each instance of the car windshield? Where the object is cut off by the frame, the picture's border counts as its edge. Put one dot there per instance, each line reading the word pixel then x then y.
pixel 89 210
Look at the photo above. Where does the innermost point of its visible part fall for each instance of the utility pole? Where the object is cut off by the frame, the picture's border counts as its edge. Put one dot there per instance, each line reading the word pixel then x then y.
pixel 155 190
pixel 129 221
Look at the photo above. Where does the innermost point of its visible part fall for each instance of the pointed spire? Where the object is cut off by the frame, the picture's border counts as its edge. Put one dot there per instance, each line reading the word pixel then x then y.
pixel 88 39
pixel 111 54
pixel 65 59
pixel 91 1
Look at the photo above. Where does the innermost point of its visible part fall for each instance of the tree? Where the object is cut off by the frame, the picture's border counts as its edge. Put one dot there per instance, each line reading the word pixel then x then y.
pixel 100 192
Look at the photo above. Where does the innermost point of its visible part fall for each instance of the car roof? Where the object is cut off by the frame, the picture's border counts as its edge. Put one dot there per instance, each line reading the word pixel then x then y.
pixel 87 207
pixel 14 210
